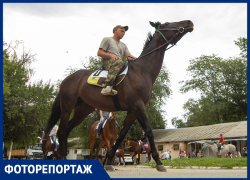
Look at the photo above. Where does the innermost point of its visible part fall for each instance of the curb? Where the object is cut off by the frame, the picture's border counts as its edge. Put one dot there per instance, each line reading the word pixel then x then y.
pixel 193 167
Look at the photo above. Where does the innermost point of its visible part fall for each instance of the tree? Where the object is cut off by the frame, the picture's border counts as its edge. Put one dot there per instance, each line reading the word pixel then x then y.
pixel 223 87
pixel 26 106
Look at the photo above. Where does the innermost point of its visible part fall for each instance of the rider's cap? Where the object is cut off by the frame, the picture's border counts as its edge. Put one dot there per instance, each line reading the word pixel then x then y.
pixel 119 26
pixel 220 134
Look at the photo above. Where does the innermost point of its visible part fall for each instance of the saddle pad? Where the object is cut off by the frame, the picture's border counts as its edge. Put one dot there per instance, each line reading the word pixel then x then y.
pixel 98 77
pixel 102 124
pixel 145 145
pixel 97 125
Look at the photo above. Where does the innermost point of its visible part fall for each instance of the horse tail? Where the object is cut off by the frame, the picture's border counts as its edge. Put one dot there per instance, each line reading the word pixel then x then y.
pixel 55 115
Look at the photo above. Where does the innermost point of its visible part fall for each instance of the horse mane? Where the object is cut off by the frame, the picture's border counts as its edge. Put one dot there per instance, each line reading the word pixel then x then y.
pixel 132 140
pixel 149 39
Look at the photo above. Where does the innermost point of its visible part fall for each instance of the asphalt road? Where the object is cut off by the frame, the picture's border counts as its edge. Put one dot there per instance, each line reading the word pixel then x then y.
pixel 130 171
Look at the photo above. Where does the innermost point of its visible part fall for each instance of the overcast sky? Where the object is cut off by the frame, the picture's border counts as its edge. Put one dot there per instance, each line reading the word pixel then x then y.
pixel 52 30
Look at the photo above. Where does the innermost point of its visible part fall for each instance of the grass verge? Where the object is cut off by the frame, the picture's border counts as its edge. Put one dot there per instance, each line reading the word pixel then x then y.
pixel 227 163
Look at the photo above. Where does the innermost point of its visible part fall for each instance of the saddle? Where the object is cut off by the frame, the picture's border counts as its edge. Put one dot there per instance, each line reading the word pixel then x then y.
pixel 103 124
pixel 98 77
pixel 145 145
pixel 220 146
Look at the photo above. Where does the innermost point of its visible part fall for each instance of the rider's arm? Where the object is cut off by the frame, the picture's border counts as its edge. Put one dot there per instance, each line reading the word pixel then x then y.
pixel 101 113
pixel 53 133
pixel 131 57
pixel 103 54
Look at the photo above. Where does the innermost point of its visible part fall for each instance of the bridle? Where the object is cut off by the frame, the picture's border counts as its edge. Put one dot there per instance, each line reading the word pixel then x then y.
pixel 43 139
pixel 180 30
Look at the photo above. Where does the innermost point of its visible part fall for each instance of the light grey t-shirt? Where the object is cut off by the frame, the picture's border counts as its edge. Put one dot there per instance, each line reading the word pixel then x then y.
pixel 54 129
pixel 105 113
pixel 111 46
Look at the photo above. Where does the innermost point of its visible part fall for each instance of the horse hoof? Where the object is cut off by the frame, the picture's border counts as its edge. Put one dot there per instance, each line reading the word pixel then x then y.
pixel 109 168
pixel 161 168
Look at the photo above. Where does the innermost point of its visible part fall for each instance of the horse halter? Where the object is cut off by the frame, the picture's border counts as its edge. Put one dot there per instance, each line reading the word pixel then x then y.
pixel 180 30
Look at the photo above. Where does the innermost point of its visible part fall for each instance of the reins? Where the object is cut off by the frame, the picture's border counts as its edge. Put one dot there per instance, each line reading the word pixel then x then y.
pixel 180 30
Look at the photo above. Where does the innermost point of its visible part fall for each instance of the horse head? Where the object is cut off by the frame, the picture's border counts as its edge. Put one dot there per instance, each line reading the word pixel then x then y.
pixel 40 135
pixel 173 32
pixel 126 145
pixel 204 146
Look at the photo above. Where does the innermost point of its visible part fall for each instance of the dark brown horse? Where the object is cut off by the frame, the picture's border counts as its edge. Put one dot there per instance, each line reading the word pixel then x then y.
pixel 134 92
pixel 47 146
pixel 108 135
pixel 137 149
pixel 120 154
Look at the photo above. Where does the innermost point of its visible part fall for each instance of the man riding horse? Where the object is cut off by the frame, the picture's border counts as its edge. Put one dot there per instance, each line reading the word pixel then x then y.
pixel 144 140
pixel 103 116
pixel 112 51
pixel 221 143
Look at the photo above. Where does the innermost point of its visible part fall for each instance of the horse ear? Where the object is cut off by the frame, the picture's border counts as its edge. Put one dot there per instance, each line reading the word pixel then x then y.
pixel 152 24
pixel 155 25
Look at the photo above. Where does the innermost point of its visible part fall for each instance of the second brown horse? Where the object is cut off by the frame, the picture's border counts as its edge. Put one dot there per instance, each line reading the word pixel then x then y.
pixel 109 134
pixel 137 149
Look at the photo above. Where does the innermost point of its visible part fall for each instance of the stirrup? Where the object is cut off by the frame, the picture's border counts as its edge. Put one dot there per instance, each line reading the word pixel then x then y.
pixel 97 135
pixel 112 92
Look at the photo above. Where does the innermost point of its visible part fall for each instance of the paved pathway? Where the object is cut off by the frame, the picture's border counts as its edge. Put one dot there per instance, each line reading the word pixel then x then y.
pixel 131 171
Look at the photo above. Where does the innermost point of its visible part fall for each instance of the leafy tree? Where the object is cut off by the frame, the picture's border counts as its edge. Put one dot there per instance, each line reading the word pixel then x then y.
pixel 26 106
pixel 223 87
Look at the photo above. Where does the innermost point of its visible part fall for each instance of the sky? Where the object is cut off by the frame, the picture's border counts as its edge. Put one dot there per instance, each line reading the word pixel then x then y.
pixel 65 35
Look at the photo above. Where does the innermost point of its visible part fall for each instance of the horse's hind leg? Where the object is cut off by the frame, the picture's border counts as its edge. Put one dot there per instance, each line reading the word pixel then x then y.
pixel 80 113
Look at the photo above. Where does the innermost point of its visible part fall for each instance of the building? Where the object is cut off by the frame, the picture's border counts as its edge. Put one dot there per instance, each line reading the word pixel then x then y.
pixel 192 138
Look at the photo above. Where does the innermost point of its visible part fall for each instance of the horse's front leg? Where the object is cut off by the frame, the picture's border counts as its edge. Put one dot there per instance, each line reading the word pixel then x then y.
pixel 143 120
pixel 126 125
pixel 119 161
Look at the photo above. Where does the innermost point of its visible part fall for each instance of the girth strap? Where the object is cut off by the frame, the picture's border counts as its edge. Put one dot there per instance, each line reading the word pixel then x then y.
pixel 115 99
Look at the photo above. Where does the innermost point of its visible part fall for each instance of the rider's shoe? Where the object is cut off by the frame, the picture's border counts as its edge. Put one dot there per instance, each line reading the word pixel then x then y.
pixel 107 91
pixel 143 149
pixel 97 135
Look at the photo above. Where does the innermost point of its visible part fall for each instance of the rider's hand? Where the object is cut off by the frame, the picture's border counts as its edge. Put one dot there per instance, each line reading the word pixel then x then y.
pixel 114 57
pixel 131 58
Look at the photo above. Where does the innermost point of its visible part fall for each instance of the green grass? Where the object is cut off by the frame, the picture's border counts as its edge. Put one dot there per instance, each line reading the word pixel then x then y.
pixel 227 163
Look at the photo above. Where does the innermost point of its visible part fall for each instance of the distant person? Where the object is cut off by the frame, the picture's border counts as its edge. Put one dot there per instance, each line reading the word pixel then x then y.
pixel 144 140
pixel 199 154
pixel 147 160
pixel 137 159
pixel 170 155
pixel 163 155
pixel 103 115
pixel 194 155
pixel 221 143
pixel 167 154
pixel 245 151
